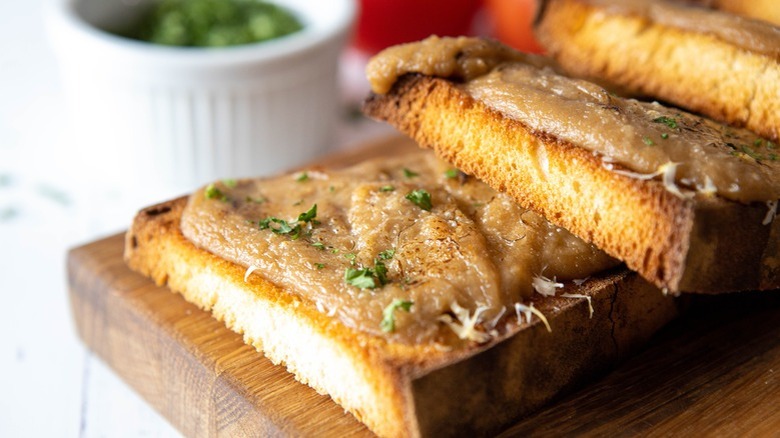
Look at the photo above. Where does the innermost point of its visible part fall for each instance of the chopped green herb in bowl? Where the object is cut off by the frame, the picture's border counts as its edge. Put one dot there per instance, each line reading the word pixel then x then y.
pixel 213 23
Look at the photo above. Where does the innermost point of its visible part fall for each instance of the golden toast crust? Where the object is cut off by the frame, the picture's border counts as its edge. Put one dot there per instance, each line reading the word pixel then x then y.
pixel 702 244
pixel 407 390
pixel 701 72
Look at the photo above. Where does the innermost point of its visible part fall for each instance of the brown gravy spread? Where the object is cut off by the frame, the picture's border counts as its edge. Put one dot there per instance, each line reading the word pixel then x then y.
pixel 470 247
pixel 646 138
pixel 697 16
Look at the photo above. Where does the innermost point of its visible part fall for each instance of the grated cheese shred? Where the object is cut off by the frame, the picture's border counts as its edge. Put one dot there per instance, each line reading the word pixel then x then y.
pixel 527 311
pixel 587 297
pixel 771 214
pixel 545 286
pixel 249 271
pixel 464 324
pixel 667 173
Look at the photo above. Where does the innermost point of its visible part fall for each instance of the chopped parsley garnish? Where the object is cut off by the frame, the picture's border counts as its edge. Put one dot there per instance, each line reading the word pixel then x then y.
pixel 770 145
pixel 212 192
pixel 420 198
pixel 230 183
pixel 773 156
pixel 386 189
pixel 388 314
pixel 386 254
pixel 757 142
pixel 309 215
pixel 648 141
pixel 259 200
pixel 451 173
pixel 319 265
pixel 304 176
pixel 664 136
pixel 369 278
pixel 410 173
pixel 319 245
pixel 380 272
pixel 292 229
pixel 668 121
pixel 361 278
pixel 751 153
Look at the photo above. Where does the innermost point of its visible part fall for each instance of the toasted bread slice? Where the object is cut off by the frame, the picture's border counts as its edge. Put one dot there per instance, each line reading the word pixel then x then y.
pixel 405 389
pixel 767 10
pixel 707 61
pixel 696 243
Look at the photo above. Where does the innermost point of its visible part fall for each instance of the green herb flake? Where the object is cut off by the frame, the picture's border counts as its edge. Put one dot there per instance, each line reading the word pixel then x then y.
pixel 386 188
pixel 770 145
pixel 319 266
pixel 751 153
pixel 668 121
pixel 361 278
pixel 380 272
pixel 773 156
pixel 309 215
pixel 284 227
pixel 451 173
pixel 230 183
pixel 319 245
pixel 648 141
pixel 420 198
pixel 303 176
pixel 757 142
pixel 350 256
pixel 291 229
pixel 388 314
pixel 387 254
pixel 410 173
pixel 259 200
pixel 212 192
pixel 664 136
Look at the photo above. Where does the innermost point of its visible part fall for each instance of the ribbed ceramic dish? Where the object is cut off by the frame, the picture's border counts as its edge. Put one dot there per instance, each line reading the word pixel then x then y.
pixel 145 115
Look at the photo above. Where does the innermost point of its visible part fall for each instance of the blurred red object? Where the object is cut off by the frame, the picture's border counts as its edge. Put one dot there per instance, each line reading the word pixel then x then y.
pixel 513 23
pixel 383 23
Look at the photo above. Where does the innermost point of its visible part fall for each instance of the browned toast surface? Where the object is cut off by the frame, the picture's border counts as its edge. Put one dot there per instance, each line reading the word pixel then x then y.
pixel 700 244
pixel 707 61
pixel 407 390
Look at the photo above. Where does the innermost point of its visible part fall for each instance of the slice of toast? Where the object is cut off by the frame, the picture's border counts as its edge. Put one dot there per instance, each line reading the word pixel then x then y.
pixel 405 389
pixel 698 244
pixel 767 10
pixel 708 61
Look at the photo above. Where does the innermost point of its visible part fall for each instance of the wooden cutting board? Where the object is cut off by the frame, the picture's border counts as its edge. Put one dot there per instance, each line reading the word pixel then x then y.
pixel 715 371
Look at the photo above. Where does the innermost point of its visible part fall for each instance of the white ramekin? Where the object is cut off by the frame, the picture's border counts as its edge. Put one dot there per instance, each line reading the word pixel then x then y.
pixel 149 116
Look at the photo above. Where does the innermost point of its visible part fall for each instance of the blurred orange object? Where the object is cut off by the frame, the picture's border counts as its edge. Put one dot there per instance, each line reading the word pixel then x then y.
pixel 513 21
pixel 383 23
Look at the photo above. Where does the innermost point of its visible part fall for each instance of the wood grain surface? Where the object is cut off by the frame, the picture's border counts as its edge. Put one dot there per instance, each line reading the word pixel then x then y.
pixel 714 372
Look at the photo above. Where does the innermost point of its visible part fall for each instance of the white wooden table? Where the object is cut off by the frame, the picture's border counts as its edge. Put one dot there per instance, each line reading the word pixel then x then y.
pixel 50 385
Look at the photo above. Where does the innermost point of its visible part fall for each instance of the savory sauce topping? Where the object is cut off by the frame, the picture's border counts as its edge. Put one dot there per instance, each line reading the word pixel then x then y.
pixel 646 138
pixel 407 247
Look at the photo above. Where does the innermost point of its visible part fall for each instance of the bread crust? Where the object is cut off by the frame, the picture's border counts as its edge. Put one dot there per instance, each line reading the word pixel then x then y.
pixel 679 244
pixel 725 78
pixel 767 10
pixel 407 390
